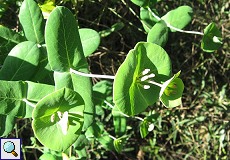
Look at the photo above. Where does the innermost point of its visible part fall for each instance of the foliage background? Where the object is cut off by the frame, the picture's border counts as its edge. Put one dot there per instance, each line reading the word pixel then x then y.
pixel 200 129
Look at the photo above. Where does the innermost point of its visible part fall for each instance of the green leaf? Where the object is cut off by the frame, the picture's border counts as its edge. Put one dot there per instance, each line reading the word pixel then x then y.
pixel 84 87
pixel 179 17
pixel 118 144
pixel 60 112
pixel 43 74
pixel 47 7
pixel 64 52
pixel 90 40
pixel 6 125
pixel 171 91
pixel 212 39
pixel 35 88
pixel 12 94
pixel 158 34
pixel 31 18
pixel 147 19
pixel 141 3
pixel 102 91
pixel 114 28
pixel 48 156
pixel 144 128
pixel 10 35
pixel 130 93
pixel 63 41
pixel 63 79
pixel 119 122
pixel 21 63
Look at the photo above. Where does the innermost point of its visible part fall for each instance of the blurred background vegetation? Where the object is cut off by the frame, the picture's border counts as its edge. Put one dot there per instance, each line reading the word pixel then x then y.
pixel 200 128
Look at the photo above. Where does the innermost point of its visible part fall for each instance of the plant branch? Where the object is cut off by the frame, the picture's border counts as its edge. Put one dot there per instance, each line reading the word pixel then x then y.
pixel 172 27
pixel 91 75
pixel 28 102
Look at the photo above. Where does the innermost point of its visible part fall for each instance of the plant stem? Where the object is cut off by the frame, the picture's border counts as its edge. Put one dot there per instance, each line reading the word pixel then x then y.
pixel 172 27
pixel 125 115
pixel 155 83
pixel 91 75
pixel 28 103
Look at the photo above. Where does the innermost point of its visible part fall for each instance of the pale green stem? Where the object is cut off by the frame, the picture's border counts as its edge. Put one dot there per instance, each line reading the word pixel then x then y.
pixel 155 83
pixel 111 106
pixel 91 75
pixel 174 28
pixel 28 103
pixel 112 137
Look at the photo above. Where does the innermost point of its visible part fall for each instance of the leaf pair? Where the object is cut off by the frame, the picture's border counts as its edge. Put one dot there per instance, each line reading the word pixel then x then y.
pixel 137 83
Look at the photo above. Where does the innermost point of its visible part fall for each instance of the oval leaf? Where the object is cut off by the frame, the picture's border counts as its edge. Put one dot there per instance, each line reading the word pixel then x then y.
pixel 31 18
pixel 90 40
pixel 130 93
pixel 178 17
pixel 63 41
pixel 158 34
pixel 60 112
pixel 21 63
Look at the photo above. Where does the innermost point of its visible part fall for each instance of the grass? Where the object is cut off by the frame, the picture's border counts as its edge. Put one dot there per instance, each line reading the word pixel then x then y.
pixel 200 128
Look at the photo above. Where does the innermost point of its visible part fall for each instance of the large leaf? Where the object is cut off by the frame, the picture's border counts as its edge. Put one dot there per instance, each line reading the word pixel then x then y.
pixel 65 52
pixel 63 41
pixel 31 18
pixel 130 93
pixel 14 93
pixel 11 98
pixel 212 39
pixel 84 87
pixel 90 40
pixel 35 88
pixel 21 63
pixel 179 17
pixel 60 112
pixel 11 35
pixel 158 34
pixel 6 125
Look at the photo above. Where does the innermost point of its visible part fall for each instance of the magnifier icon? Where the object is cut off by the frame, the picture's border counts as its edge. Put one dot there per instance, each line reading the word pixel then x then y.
pixel 9 147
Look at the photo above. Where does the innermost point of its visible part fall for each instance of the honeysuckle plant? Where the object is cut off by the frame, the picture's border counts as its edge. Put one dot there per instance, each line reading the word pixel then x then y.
pixel 45 77
pixel 158 27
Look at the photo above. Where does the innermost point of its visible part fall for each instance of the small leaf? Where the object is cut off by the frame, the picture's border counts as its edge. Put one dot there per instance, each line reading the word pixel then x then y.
pixel 212 39
pixel 179 17
pixel 147 19
pixel 114 28
pixel 141 3
pixel 119 122
pixel 48 119
pixel 171 92
pixel 90 40
pixel 30 16
pixel 144 129
pixel 21 63
pixel 131 94
pixel 11 35
pixel 47 8
pixel 7 124
pixel 158 34
pixel 118 145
